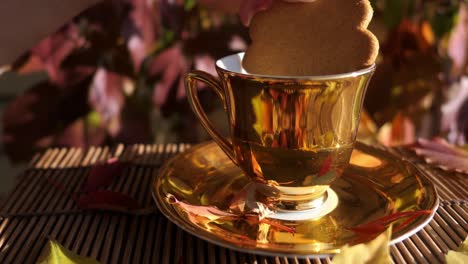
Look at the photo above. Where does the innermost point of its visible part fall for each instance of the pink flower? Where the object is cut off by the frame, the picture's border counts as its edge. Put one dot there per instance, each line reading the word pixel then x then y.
pixel 106 94
pixel 457 45
pixel 144 15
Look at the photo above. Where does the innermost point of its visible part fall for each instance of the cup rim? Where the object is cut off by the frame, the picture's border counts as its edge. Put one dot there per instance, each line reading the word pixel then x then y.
pixel 220 65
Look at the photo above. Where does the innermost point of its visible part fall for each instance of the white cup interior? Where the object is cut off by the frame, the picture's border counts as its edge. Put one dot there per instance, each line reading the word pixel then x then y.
pixel 232 63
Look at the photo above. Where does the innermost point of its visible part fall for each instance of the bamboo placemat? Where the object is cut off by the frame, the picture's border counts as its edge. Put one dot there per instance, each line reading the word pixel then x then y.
pixel 35 212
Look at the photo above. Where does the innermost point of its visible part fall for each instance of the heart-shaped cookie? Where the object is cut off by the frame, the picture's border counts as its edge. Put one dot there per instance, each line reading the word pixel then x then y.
pixel 322 37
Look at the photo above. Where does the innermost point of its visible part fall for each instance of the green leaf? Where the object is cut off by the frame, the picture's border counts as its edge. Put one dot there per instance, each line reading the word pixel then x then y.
pixel 459 256
pixel 376 251
pixel 189 4
pixel 94 119
pixel 443 22
pixel 166 40
pixel 57 254
pixel 395 11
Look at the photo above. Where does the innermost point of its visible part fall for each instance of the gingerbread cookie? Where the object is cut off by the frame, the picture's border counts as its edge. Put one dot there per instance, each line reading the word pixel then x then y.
pixel 318 38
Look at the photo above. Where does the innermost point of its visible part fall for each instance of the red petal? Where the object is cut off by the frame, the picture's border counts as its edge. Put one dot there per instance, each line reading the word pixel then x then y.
pixel 102 175
pixel 107 200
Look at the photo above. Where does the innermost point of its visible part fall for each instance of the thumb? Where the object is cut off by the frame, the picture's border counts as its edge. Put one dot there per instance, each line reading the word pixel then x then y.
pixel 249 8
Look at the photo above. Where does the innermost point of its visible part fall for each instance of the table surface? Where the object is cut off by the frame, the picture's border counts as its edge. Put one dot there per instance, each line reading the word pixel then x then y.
pixel 35 212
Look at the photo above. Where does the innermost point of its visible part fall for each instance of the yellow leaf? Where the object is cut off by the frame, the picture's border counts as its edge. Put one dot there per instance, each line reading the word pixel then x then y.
pixel 460 256
pixel 374 252
pixel 427 33
pixel 57 254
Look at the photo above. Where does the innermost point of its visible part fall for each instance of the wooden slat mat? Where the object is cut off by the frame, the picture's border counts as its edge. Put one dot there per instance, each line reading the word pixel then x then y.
pixel 35 211
pixel 450 185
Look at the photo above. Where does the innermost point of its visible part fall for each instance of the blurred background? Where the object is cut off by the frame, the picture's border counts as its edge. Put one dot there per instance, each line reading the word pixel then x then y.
pixel 115 75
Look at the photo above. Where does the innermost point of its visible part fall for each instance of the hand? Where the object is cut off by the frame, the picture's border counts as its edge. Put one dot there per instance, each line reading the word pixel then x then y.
pixel 250 7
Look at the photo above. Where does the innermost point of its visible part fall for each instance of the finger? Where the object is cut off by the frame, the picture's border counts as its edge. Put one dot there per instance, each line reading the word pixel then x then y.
pixel 250 7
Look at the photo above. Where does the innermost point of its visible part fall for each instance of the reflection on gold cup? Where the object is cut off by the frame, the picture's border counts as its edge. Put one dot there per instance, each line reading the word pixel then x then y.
pixel 292 133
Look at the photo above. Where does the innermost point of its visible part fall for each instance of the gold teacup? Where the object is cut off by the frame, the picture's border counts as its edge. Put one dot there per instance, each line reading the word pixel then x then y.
pixel 293 133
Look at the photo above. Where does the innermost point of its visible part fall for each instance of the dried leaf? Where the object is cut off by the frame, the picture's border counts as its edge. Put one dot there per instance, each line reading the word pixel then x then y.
pixel 57 254
pixel 57 185
pixel 91 198
pixel 459 256
pixel 454 112
pixel 400 132
pixel 107 201
pixel 406 38
pixel 52 51
pixel 102 175
pixel 376 251
pixel 34 119
pixel 408 76
pixel 444 155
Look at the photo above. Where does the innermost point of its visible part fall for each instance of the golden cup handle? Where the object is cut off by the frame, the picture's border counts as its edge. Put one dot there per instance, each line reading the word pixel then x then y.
pixel 192 96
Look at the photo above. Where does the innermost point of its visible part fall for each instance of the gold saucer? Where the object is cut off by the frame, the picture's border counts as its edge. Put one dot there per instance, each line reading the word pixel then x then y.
pixel 195 188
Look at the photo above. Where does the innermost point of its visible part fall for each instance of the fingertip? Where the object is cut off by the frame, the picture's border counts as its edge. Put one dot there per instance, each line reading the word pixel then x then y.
pixel 249 8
